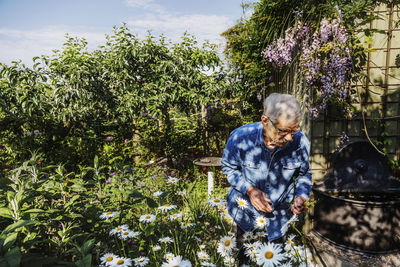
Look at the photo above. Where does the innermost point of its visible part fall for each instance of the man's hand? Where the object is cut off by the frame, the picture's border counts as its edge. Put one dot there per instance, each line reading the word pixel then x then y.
pixel 298 206
pixel 258 199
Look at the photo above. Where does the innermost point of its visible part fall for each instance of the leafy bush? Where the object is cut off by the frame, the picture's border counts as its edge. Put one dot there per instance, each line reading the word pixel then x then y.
pixel 76 104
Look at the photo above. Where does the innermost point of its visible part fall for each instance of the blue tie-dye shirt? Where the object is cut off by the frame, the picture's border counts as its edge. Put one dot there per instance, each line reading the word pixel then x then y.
pixel 248 162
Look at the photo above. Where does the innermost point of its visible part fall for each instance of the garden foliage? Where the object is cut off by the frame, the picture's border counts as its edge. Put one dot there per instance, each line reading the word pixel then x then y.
pixel 77 103
pixel 307 36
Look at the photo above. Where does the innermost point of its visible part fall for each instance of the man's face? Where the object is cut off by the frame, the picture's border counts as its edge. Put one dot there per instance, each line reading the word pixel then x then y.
pixel 280 132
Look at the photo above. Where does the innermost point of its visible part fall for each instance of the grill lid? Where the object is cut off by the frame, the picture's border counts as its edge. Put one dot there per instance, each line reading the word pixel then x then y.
pixel 358 167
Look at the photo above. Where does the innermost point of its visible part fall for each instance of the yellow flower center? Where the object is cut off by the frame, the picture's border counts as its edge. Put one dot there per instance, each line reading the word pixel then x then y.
pixel 167 205
pixel 119 228
pixel 227 243
pixel 126 233
pixel 120 262
pixel 109 213
pixel 109 258
pixel 140 260
pixel 148 217
pixel 269 255
pixel 261 221
pixel 216 200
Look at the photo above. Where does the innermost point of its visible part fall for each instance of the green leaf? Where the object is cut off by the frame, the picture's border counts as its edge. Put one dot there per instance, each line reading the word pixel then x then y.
pixel 134 194
pixel 16 225
pixel 6 213
pixel 86 261
pixel 96 161
pixel 71 201
pixel 151 203
pixel 33 211
pixel 88 245
pixel 13 257
pixel 9 241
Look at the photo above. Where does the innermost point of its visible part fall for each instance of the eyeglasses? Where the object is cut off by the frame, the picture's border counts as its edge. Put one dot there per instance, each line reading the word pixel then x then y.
pixel 283 132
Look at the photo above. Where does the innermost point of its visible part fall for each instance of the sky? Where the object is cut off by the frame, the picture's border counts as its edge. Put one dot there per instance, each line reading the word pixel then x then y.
pixel 30 28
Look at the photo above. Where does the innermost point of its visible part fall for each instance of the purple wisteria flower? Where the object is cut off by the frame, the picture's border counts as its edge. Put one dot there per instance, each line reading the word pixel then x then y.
pixel 324 59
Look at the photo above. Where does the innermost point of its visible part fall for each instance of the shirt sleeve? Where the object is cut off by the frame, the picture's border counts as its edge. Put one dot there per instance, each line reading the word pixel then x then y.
pixel 232 166
pixel 303 181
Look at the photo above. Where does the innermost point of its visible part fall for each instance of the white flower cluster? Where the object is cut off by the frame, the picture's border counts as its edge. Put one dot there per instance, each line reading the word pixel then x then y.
pixel 123 232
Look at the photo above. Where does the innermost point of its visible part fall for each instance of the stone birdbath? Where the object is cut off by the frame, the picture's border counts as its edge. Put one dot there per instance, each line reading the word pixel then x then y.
pixel 209 162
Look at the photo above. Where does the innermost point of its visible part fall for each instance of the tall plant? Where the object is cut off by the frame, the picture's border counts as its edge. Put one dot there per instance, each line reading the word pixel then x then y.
pixel 270 20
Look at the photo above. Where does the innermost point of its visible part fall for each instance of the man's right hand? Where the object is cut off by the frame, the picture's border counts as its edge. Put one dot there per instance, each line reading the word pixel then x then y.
pixel 258 199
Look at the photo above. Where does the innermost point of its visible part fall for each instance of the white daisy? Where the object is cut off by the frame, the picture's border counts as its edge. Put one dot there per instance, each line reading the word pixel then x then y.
pixel 187 225
pixel 177 262
pixel 229 261
pixel 122 262
pixel 175 216
pixel 227 242
pixel 262 234
pixel 205 263
pixel 157 193
pixel 269 255
pixel 261 222
pixel 172 180
pixel 182 193
pixel 147 218
pixel 141 261
pixel 167 207
pixel 254 245
pixel 156 248
pixel 108 258
pixel 166 240
pixel 298 252
pixel 119 229
pixel 289 243
pixel 109 214
pixel 248 236
pixel 252 254
pixel 242 203
pixel 216 202
pixel 223 251
pixel 203 255
pixel 169 256
pixel 128 234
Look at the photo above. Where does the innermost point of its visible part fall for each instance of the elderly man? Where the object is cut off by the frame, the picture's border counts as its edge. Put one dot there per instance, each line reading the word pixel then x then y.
pixel 267 165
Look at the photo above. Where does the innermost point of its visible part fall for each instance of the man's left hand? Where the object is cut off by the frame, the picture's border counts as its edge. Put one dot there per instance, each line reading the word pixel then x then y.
pixel 299 206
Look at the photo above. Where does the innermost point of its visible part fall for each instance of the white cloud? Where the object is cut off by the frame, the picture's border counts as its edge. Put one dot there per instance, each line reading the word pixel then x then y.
pixel 146 4
pixel 26 44
pixel 204 27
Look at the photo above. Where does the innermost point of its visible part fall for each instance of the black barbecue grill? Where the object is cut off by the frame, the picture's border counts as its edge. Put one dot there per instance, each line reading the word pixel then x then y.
pixel 358 201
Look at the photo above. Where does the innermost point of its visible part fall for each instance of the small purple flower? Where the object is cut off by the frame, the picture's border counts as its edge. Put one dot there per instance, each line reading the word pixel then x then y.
pixel 112 174
pixel 109 138
pixel 153 176
pixel 126 140
pixel 109 180
pixel 172 172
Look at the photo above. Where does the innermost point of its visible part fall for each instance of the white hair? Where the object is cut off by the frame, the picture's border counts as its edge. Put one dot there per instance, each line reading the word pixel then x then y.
pixel 277 105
